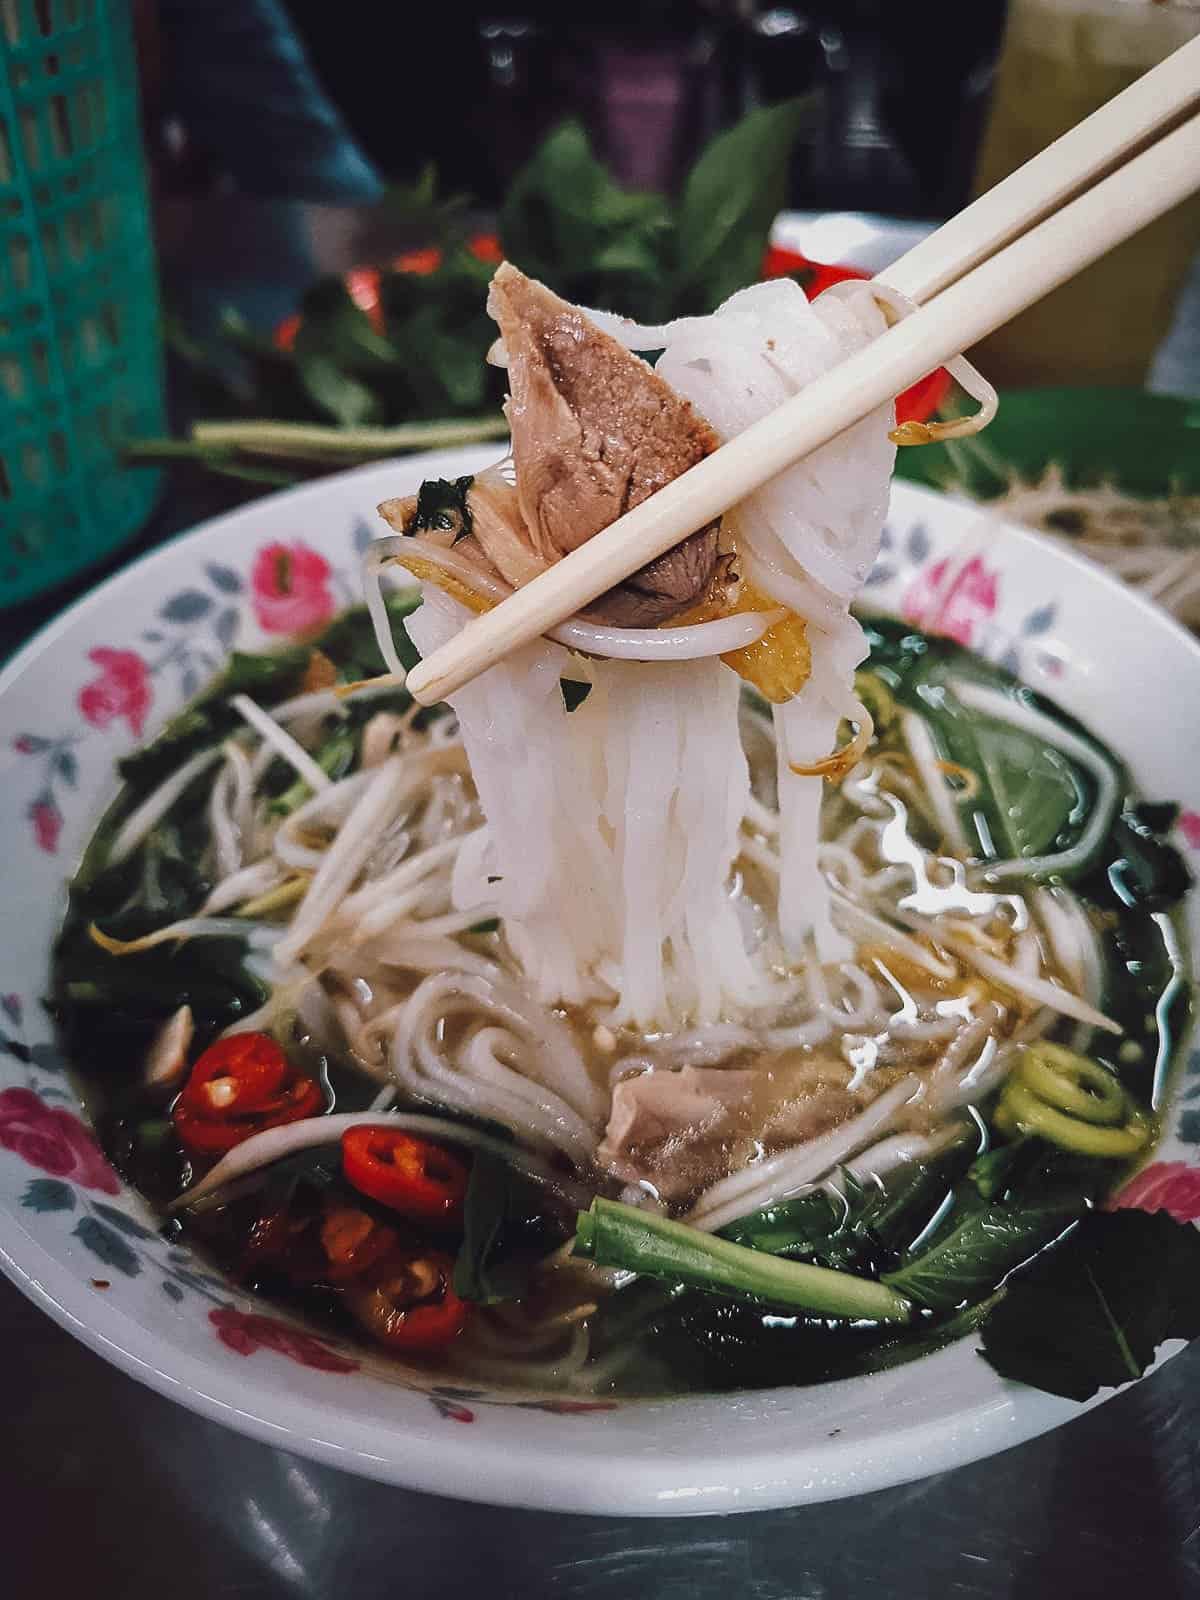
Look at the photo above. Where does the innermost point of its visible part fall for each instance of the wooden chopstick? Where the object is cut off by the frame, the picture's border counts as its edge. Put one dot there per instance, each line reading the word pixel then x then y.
pixel 978 302
pixel 1063 170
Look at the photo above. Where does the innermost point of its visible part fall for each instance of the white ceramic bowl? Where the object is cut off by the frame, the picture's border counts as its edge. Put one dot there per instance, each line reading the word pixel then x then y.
pixel 122 660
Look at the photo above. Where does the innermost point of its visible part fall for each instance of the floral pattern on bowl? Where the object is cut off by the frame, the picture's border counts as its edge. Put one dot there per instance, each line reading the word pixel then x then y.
pixel 71 1233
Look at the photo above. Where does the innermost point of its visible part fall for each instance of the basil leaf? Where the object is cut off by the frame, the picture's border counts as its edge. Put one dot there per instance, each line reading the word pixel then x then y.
pixel 567 221
pixel 1092 1312
pixel 505 1233
pixel 730 199
pixel 331 389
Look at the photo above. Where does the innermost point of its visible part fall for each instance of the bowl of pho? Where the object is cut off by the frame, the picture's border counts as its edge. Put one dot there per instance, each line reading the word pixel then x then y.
pixel 735 1054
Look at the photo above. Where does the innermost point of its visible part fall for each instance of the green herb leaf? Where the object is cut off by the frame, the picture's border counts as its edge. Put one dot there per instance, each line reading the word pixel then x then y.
pixel 1146 871
pixel 994 1172
pixel 732 196
pixel 982 1245
pixel 505 1233
pixel 336 391
pixel 574 693
pixel 1092 1312
pixel 1145 443
pixel 566 221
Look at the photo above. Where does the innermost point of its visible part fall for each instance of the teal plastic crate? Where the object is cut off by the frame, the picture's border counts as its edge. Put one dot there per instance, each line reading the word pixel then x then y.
pixel 80 339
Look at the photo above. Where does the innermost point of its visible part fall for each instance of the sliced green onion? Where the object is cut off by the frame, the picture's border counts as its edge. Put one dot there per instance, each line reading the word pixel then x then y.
pixel 616 1235
pixel 1072 1083
pixel 1025 1113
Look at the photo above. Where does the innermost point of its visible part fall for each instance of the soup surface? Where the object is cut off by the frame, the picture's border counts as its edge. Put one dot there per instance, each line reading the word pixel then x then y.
pixel 895 1125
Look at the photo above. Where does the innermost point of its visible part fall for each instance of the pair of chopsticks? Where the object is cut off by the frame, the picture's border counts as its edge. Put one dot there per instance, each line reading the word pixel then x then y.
pixel 1125 165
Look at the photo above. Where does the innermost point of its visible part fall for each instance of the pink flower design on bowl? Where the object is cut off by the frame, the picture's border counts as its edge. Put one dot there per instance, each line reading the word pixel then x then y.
pixel 290 588
pixel 1189 826
pixel 47 822
pixel 1170 1186
pixel 248 1331
pixel 952 600
pixel 121 690
pixel 53 1140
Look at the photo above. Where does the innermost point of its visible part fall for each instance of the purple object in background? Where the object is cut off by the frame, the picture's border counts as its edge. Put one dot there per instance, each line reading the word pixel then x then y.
pixel 642 97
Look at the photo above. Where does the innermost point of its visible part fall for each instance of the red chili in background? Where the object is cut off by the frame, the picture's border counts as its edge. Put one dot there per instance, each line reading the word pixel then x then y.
pixel 418 1179
pixel 917 404
pixel 239 1086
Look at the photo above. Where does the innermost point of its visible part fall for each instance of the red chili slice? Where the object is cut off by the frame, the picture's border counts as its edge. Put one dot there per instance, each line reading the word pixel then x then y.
pixel 410 1305
pixel 354 1242
pixel 238 1087
pixel 410 1175
pixel 235 1075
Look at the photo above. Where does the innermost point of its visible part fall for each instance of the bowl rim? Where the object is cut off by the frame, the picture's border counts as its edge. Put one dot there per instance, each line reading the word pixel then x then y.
pixel 592 1474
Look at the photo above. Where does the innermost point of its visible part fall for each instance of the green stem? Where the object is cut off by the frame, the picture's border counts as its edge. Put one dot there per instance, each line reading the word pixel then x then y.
pixel 165 450
pixel 266 437
pixel 616 1235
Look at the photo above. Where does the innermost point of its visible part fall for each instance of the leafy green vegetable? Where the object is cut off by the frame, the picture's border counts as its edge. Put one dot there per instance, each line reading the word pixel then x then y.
pixel 565 220
pixel 996 1171
pixel 505 1233
pixel 1093 1311
pixel 420 361
pixel 1146 870
pixel 335 757
pixel 982 1244
pixel 617 1235
pixel 349 643
pixel 1034 796
pixel 804 1226
pixel 209 718
pixel 730 199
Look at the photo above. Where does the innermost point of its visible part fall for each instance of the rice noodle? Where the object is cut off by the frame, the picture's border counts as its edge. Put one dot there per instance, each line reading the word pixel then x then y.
pixel 523 1070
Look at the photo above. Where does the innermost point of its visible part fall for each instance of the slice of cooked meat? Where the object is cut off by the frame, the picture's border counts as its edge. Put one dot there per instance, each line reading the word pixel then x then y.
pixel 498 526
pixel 595 432
pixel 683 1130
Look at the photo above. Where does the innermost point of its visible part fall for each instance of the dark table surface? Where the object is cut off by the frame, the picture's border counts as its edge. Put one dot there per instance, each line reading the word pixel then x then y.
pixel 110 1492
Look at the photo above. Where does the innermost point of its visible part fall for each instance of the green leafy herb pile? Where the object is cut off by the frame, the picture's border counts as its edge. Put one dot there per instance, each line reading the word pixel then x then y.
pixel 351 386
